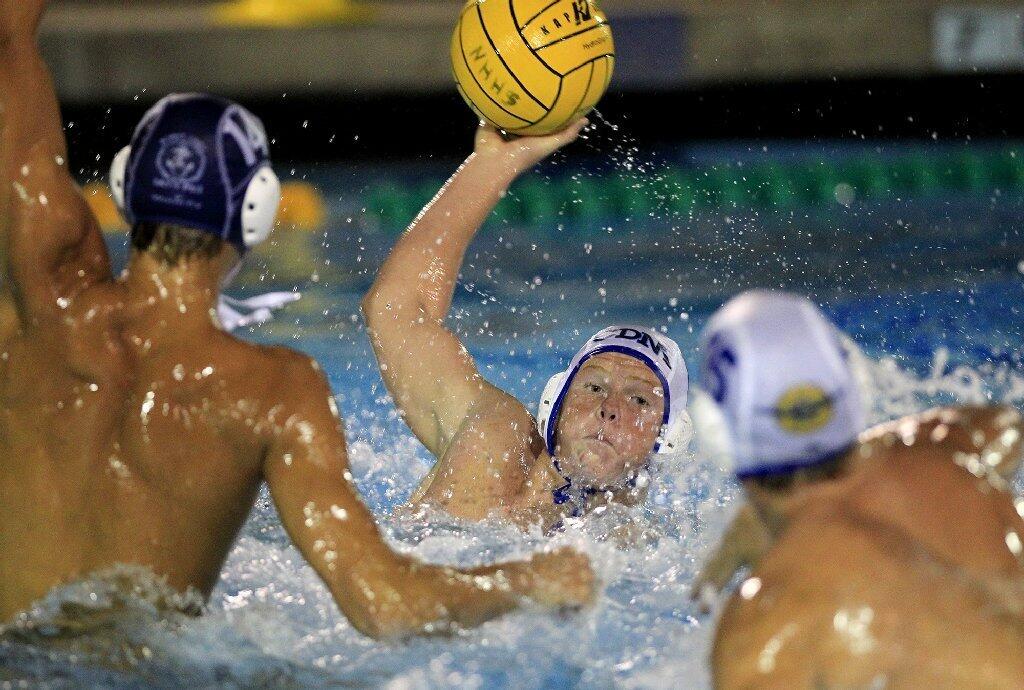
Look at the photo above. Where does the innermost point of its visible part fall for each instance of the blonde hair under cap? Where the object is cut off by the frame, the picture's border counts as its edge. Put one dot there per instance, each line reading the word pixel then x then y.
pixel 777 371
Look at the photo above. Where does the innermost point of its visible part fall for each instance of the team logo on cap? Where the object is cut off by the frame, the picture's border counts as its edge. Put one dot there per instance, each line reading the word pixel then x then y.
pixel 181 163
pixel 804 409
pixel 636 336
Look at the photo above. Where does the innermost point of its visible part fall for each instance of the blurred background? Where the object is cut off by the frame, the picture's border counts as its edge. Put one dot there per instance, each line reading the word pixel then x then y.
pixel 686 70
pixel 862 152
pixel 857 151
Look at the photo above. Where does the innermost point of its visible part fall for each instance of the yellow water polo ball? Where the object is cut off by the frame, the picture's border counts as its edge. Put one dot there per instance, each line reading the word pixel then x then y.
pixel 532 67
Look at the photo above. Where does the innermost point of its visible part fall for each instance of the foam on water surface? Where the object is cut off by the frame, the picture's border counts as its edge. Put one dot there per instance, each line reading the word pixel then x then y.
pixel 271 623
pixel 939 323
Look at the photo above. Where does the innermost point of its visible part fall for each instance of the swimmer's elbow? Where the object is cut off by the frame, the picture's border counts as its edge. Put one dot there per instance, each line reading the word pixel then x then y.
pixel 373 304
pixel 380 608
pixel 389 305
pixel 369 625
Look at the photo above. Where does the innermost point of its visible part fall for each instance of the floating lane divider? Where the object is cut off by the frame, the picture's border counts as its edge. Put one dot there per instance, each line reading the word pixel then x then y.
pixel 761 184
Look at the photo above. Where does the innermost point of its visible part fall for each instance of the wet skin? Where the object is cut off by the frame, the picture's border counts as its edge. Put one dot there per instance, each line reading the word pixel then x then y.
pixel 909 570
pixel 133 430
pixel 491 458
pixel 611 417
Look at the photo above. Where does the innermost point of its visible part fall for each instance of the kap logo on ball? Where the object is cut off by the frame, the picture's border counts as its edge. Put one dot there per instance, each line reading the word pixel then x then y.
pixel 532 66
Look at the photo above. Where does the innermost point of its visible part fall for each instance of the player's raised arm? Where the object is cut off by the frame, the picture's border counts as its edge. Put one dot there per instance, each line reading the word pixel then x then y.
pixel 431 376
pixel 50 244
pixel 384 594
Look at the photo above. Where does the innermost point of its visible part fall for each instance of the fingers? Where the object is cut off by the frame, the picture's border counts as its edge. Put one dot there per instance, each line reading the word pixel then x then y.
pixel 563 578
pixel 577 127
pixel 570 133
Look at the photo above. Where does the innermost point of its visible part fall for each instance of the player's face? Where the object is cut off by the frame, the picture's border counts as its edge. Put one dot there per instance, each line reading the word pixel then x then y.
pixel 610 419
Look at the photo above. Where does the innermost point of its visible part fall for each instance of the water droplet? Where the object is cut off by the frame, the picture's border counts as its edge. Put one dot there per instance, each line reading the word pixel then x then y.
pixel 750 588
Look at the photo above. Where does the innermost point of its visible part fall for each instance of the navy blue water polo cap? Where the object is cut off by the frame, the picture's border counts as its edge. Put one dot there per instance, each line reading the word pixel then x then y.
pixel 201 162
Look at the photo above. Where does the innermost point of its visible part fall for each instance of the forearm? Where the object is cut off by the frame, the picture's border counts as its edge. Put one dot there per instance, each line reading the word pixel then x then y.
pixel 19 18
pixel 413 598
pixel 473 597
pixel 424 265
pixel 33 167
pixel 29 113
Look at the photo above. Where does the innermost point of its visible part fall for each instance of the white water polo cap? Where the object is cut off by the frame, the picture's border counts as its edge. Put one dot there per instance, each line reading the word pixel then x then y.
pixel 659 352
pixel 778 372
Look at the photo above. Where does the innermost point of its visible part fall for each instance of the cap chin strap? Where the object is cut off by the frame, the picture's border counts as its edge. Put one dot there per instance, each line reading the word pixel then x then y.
pixel 577 496
pixel 674 438
pixel 259 211
pixel 239 313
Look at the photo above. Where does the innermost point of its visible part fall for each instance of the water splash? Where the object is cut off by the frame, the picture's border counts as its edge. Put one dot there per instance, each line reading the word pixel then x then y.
pixel 271 622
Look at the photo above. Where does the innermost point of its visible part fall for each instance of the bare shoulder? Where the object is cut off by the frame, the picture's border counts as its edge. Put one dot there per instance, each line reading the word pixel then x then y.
pixel 489 459
pixel 497 406
pixel 965 426
pixel 992 435
pixel 292 376
pixel 498 423
pixel 780 628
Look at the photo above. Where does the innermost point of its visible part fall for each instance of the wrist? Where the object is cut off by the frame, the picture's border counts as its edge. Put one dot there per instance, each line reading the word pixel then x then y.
pixel 518 578
pixel 502 168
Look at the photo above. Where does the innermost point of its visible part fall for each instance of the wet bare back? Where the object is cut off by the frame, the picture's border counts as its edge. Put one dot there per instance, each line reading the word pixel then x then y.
pixel 134 431
pixel 126 429
pixel 910 573
pixel 120 447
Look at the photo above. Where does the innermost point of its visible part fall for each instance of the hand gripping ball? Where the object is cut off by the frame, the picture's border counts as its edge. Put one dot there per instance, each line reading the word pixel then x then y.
pixel 532 67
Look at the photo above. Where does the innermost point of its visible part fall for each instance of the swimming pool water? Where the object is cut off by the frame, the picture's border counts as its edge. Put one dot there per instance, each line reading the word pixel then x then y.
pixel 931 291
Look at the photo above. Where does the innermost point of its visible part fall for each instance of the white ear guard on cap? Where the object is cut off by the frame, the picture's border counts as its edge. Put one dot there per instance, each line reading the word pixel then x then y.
pixel 547 402
pixel 259 205
pixel 118 168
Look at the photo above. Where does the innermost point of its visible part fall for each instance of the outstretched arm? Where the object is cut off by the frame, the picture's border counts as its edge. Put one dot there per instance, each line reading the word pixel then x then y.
pixel 383 593
pixel 431 376
pixel 50 245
